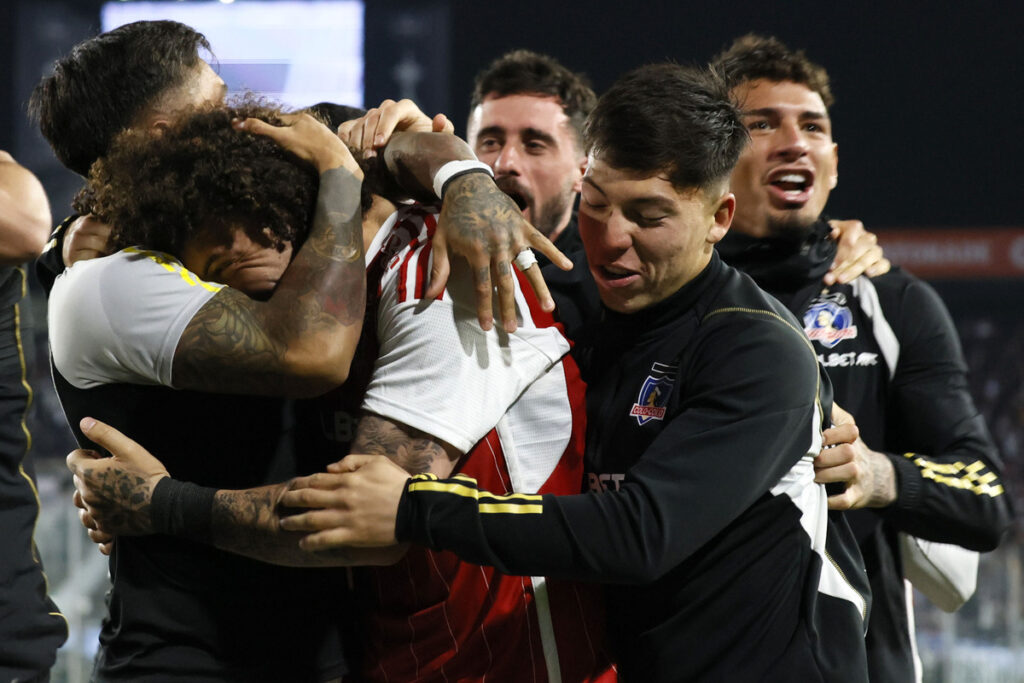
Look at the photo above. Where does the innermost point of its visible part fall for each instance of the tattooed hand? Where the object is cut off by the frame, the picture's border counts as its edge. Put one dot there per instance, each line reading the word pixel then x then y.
pixel 481 223
pixel 114 493
pixel 869 476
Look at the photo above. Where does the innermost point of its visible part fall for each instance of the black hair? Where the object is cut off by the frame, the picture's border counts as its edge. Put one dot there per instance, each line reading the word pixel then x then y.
pixel 752 57
pixel 672 118
pixel 104 84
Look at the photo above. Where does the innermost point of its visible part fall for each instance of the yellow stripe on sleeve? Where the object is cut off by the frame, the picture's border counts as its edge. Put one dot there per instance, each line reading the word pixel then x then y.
pixel 959 476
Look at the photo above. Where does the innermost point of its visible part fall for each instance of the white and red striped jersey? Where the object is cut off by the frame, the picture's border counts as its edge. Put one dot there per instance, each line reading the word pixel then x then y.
pixel 514 403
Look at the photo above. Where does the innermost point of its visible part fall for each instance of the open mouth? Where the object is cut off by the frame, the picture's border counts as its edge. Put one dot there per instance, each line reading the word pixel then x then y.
pixel 519 199
pixel 792 185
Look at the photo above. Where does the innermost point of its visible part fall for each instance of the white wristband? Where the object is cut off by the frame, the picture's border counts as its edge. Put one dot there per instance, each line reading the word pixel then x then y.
pixel 457 168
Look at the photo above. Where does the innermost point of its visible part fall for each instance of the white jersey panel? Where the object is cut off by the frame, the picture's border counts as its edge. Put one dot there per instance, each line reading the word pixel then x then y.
pixel 437 370
pixel 119 318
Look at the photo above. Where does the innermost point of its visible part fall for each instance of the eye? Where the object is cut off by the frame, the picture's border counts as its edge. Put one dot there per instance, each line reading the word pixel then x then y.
pixel 759 124
pixel 488 144
pixel 650 221
pixel 535 146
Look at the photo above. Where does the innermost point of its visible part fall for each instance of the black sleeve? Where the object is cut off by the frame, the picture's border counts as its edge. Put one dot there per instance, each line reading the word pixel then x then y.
pixel 750 412
pixel 948 469
pixel 50 263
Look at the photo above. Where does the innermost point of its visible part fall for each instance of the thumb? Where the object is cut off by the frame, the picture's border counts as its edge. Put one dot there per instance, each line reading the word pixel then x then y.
pixel 441 124
pixel 105 436
pixel 840 416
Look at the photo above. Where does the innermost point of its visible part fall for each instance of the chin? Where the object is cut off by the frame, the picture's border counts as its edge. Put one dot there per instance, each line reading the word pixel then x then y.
pixel 793 226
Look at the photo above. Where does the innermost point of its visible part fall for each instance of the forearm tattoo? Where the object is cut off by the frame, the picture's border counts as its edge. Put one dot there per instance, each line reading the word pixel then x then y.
pixel 415 451
pixel 248 523
pixel 239 345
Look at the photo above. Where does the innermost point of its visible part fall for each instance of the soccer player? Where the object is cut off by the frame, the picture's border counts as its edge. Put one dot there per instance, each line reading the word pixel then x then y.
pixel 31 627
pixel 705 410
pixel 887 342
pixel 441 387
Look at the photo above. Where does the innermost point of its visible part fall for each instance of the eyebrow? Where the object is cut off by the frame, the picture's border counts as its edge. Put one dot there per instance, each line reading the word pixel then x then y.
pixel 809 114
pixel 491 130
pixel 653 201
pixel 537 134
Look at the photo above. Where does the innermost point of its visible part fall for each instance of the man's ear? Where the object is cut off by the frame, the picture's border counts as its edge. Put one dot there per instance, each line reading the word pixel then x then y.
pixel 833 179
pixel 723 214
pixel 577 186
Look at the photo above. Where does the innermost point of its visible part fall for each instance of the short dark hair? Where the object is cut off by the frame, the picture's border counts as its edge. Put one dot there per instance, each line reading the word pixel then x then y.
pixel 522 72
pixel 104 83
pixel 669 117
pixel 202 175
pixel 753 57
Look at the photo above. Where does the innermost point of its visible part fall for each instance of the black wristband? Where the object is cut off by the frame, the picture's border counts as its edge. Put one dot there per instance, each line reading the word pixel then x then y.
pixel 444 188
pixel 178 508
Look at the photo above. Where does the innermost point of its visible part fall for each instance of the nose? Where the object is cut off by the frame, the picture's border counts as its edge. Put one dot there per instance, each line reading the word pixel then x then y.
pixel 618 233
pixel 790 141
pixel 507 162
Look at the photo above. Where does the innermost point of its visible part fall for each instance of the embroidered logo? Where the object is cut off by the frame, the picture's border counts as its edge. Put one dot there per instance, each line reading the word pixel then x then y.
pixel 829 321
pixel 654 394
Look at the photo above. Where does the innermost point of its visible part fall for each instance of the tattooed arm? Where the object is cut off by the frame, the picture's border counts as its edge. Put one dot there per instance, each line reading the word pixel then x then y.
pixel 300 341
pixel 116 497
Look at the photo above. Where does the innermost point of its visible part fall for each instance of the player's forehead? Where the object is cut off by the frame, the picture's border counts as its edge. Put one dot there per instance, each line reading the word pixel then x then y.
pixel 514 114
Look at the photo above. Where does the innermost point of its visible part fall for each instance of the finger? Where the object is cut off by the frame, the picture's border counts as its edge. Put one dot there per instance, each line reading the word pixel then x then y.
pixel 545 246
pixel 540 288
pixel 86 519
pixel 351 463
pixel 76 498
pixel 840 473
pixel 441 124
pixel 840 434
pixel 324 481
pixel 840 416
pixel 834 457
pixel 109 438
pixel 388 121
pixel 99 537
pixel 501 267
pixel 345 129
pixel 328 539
pixel 841 501
pixel 484 291
pixel 440 267
pixel 879 267
pixel 79 457
pixel 370 122
pixel 105 548
pixel 313 498
pixel 315 520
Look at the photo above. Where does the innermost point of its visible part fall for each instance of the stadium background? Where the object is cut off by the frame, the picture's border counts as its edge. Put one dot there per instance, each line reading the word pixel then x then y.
pixel 931 138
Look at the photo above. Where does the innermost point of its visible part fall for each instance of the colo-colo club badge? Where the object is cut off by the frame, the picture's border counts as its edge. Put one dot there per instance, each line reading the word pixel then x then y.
pixel 650 404
pixel 829 321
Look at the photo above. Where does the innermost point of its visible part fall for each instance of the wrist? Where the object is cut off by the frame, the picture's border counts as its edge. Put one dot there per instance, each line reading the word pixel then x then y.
pixel 456 169
pixel 179 508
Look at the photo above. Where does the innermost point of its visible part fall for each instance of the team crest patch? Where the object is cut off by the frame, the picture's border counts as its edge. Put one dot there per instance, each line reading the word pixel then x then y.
pixel 829 321
pixel 650 404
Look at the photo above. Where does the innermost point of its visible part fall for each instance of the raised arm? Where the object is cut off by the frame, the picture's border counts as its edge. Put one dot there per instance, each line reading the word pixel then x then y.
pixel 299 342
pixel 24 213
pixel 477 222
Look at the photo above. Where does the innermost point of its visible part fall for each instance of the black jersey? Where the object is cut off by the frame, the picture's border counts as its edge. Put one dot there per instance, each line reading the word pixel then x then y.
pixel 895 362
pixel 31 627
pixel 185 611
pixel 704 414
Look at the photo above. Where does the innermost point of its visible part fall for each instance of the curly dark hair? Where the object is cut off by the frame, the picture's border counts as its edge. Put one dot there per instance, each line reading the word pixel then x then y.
pixel 667 117
pixel 101 86
pixel 201 176
pixel 752 57
pixel 522 72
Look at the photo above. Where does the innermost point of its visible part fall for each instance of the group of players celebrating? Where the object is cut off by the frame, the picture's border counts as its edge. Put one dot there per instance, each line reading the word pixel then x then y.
pixel 650 480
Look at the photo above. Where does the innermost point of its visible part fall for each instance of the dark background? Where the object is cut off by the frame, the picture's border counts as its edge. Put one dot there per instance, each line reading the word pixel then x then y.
pixel 929 107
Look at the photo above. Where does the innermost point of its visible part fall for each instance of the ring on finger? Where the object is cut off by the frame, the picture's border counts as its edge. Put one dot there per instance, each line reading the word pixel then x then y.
pixel 525 259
